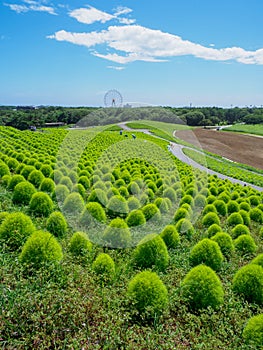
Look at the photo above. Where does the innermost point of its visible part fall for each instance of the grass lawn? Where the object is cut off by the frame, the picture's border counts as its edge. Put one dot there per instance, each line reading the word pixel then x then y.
pixel 256 129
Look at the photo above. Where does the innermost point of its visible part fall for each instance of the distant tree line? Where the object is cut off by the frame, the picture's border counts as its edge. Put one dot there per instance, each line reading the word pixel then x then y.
pixel 23 117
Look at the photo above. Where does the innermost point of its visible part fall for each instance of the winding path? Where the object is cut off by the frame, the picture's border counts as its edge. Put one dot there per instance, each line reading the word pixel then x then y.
pixel 177 151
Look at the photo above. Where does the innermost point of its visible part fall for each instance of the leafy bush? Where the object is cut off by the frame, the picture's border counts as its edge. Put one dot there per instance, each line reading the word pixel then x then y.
pixel 225 242
pixel 245 217
pixel 117 206
pixel 171 194
pixel 5 180
pixel 61 193
pixel 57 224
pixel 258 260
pixel 185 227
pixel 73 204
pixel 170 236
pixel 80 245
pixel 23 193
pixel 244 206
pixel 213 229
pixel 27 170
pixel 151 251
pixel 256 215
pixel 199 201
pixel 133 203
pixel 210 219
pixel 253 332
pixel 4 170
pixel 232 207
pixel 234 219
pixel 41 248
pixel 117 234
pixel 201 288
pixel 135 218
pixel 221 207
pixel 181 213
pixel 147 293
pixel 41 204
pixel 248 282
pixel 47 185
pixel 3 215
pixel 36 177
pixel 245 244
pixel 151 212
pixel 15 179
pixel 164 204
pixel 46 170
pixel 15 229
pixel 206 252
pixel 239 230
pixel 104 266
pixel 84 181
pixel 93 211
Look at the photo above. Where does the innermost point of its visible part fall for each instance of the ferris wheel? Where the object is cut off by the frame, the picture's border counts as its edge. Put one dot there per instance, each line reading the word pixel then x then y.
pixel 113 98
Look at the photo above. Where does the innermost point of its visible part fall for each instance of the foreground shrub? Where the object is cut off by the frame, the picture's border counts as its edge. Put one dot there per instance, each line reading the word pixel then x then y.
pixel 239 230
pixel 15 179
pixel 256 215
pixel 36 177
pixel 225 242
pixel 151 212
pixel 73 204
pixel 117 234
pixel 234 219
pixel 210 219
pixel 4 170
pixel 41 248
pixel 47 185
pixel 80 245
pixel 61 193
pixel 253 332
pixel 221 207
pixel 57 224
pixel 92 212
pixel 206 252
pixel 23 193
pixel 151 251
pixel 41 204
pixel 170 236
pixel 245 244
pixel 147 293
pixel 117 206
pixel 258 260
pixel 135 218
pixel 245 217
pixel 232 207
pixel 213 229
pixel 248 282
pixel 15 229
pixel 181 213
pixel 104 266
pixel 201 288
pixel 185 227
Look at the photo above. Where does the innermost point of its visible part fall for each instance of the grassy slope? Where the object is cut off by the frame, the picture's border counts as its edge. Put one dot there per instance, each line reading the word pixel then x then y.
pixel 256 129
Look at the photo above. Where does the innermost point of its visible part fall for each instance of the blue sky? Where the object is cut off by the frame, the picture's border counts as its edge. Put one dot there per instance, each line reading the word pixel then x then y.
pixel 169 52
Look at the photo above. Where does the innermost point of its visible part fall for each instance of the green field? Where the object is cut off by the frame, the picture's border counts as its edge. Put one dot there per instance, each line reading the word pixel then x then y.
pixel 256 129
pixel 110 242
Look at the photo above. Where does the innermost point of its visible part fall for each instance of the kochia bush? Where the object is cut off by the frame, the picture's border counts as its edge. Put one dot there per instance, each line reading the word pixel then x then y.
pixel 92 212
pixel 41 248
pixel 170 236
pixel 258 260
pixel 206 252
pixel 210 219
pixel 117 234
pixel 57 224
pixel 148 293
pixel 41 204
pixel 245 244
pixel 104 266
pixel 225 242
pixel 135 218
pixel 202 288
pixel 80 245
pixel 23 192
pixel 253 332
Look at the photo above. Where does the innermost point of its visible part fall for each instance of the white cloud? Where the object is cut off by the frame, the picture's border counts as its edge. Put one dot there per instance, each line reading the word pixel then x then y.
pixel 120 10
pixel 31 6
pixel 126 20
pixel 90 15
pixel 116 67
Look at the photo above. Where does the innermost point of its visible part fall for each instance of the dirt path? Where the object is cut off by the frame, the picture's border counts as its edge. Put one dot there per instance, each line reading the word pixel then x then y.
pixel 237 147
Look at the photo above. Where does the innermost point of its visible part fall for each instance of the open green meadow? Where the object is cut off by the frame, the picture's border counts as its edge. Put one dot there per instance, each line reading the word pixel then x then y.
pixel 256 129
pixel 109 242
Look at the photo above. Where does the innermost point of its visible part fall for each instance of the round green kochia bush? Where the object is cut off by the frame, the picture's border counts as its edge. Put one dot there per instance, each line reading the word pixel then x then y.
pixel 213 229
pixel 221 207
pixel 234 219
pixel 117 234
pixel 117 206
pixel 47 185
pixel 133 203
pixel 46 170
pixel 41 204
pixel 164 204
pixel 148 293
pixel 3 215
pixel 185 227
pixel 61 193
pixel 239 230
pixel 15 229
pixel 201 288
pixel 93 212
pixel 210 219
pixel 206 252
pixel 258 260
pixel 4 170
pixel 232 207
pixel 181 213
pixel 199 201
pixel 253 331
pixel 73 204
pixel 5 180
pixel 254 200
pixel 151 212
pixel 23 193
pixel 104 266
pixel 27 170
pixel 15 179
pixel 57 224
pixel 12 164
pixel 248 282
pixel 171 194
pixel 80 245
pixel 209 208
pixel 41 248
pixel 170 236
pixel 84 181
pixel 225 242
pixel 135 218
pixel 256 215
pixel 245 244
pixel 36 177
pixel 245 217
pixel 151 251
pixel 244 206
